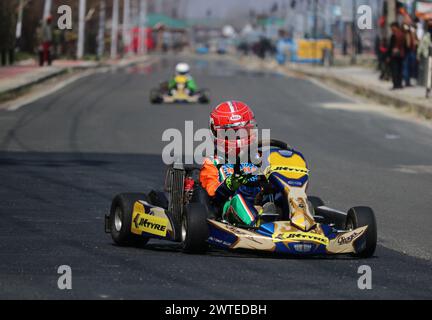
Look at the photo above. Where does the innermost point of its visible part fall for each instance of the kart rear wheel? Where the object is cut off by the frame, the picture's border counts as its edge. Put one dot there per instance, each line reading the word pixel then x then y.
pixel 359 217
pixel 203 96
pixel 121 220
pixel 155 97
pixel 203 99
pixel 194 229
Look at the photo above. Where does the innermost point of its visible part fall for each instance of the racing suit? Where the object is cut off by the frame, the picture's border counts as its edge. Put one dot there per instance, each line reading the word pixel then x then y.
pixel 190 85
pixel 237 205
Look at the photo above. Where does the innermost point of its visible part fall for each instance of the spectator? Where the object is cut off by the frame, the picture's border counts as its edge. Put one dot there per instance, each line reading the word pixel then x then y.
pixel 45 37
pixel 396 54
pixel 425 42
pixel 382 53
pixel 423 52
pixel 410 54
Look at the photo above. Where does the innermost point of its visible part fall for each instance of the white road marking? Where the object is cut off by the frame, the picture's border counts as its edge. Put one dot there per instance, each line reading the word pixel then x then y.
pixel 26 100
pixel 414 169
pixel 32 97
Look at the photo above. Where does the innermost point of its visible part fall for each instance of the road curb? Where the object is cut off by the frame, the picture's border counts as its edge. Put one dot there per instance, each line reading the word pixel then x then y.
pixel 17 90
pixel 421 109
pixel 385 98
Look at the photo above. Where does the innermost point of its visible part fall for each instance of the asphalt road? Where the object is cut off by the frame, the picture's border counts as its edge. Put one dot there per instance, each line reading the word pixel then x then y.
pixel 64 157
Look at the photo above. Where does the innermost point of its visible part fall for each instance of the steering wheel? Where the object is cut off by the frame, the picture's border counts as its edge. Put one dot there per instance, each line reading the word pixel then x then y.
pixel 272 143
pixel 267 144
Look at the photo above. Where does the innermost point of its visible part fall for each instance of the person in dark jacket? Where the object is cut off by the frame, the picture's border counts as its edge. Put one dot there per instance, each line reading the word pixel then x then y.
pixel 396 54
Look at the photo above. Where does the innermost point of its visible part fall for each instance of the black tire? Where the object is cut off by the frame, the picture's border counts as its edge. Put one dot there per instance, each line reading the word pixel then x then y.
pixel 203 99
pixel 194 229
pixel 155 97
pixel 204 96
pixel 316 202
pixel 121 220
pixel 359 217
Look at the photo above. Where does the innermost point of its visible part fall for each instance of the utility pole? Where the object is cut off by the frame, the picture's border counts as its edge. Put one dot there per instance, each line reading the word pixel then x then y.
pixel 101 32
pixel 391 15
pixel 142 27
pixel 315 19
pixel 20 19
pixel 354 33
pixel 114 29
pixel 126 23
pixel 81 29
pixel 315 29
pixel 429 74
pixel 47 9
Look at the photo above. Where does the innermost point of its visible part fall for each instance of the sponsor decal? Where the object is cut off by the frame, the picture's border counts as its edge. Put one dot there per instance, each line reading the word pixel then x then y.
pixel 145 222
pixel 285 153
pixel 219 241
pixel 348 238
pixel 292 169
pixel 300 236
pixel 235 117
pixel 303 247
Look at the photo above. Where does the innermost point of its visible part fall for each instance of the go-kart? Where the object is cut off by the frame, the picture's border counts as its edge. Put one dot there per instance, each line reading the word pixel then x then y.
pixel 178 95
pixel 296 224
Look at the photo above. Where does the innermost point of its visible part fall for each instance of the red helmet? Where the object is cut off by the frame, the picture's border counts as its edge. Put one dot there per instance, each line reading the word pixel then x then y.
pixel 237 116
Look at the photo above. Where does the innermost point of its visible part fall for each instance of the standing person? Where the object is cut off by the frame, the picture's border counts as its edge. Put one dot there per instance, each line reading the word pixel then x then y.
pixel 396 54
pixel 423 49
pixel 425 42
pixel 410 54
pixel 46 42
pixel 383 65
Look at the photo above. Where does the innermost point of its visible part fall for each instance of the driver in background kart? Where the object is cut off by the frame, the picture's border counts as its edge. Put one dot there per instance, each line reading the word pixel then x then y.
pixel 183 70
pixel 227 191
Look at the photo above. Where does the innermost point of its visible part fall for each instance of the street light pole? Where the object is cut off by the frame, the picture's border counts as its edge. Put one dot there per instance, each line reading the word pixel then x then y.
pixel 315 26
pixel 18 32
pixel 354 33
pixel 429 74
pixel 126 18
pixel 315 29
pixel 142 27
pixel 47 8
pixel 114 29
pixel 101 33
pixel 81 29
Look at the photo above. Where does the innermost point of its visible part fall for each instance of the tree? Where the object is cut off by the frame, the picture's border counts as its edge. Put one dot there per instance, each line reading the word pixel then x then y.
pixel 8 19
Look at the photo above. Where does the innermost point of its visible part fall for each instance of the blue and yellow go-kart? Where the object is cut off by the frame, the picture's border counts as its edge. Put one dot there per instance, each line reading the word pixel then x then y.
pixel 296 225
pixel 179 94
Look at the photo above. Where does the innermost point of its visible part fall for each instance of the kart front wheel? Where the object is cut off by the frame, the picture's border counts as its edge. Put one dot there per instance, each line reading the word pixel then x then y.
pixel 121 220
pixel 359 217
pixel 194 229
pixel 315 202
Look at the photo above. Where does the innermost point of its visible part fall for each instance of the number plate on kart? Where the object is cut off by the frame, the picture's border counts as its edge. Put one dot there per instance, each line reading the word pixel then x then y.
pixel 300 236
